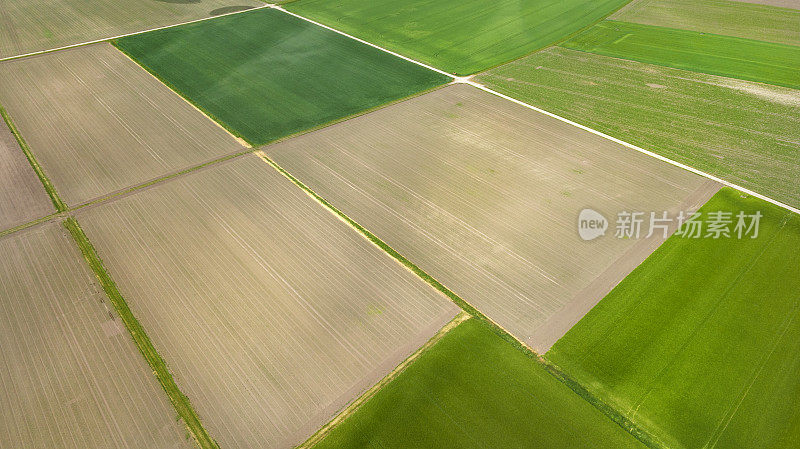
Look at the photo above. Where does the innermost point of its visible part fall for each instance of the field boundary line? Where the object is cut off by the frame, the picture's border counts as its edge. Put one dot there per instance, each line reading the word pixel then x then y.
pixel 351 408
pixel 112 196
pixel 614 415
pixel 238 139
pixel 470 81
pixel 179 401
pixel 28 224
pixel 58 203
pixel 560 41
pixel 639 149
pixel 134 33
pixel 383 49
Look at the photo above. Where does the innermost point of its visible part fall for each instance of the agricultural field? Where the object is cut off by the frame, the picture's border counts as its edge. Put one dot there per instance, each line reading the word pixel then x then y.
pixel 318 224
pixel 271 312
pixel 70 375
pixel 29 26
pixel 459 37
pixel 484 195
pixel 274 75
pixel 22 197
pixel 97 123
pixel 701 343
pixel 472 389
pixel 747 133
pixel 734 57
pixel 724 17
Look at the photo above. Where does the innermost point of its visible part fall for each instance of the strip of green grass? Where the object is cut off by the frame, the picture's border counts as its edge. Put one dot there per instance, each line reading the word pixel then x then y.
pixel 474 390
pixel 459 36
pixel 264 74
pixel 746 59
pixel 700 344
pixel 744 132
pixel 178 399
pixel 58 203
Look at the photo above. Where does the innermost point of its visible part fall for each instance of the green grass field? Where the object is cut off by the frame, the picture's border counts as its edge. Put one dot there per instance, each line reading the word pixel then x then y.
pixel 472 389
pixel 265 74
pixel 460 37
pixel 734 57
pixel 747 133
pixel 701 343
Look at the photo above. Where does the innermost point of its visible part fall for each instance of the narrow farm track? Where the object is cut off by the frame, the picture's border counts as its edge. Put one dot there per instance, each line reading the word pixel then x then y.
pixel 22 196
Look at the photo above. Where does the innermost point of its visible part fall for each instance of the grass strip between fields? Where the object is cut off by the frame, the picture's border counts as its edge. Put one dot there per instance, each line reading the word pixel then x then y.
pixel 48 186
pixel 645 437
pixel 358 402
pixel 158 365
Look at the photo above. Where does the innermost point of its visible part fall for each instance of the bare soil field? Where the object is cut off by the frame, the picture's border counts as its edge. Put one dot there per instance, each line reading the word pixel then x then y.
pixel 740 19
pixel 272 313
pixel 484 195
pixel 27 26
pixel 22 197
pixel 98 123
pixel 70 375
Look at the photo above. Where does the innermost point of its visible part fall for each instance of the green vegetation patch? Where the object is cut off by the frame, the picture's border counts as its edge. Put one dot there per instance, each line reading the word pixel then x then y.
pixel 745 132
pixel 265 74
pixel 58 203
pixel 735 57
pixel 700 344
pixel 460 37
pixel 474 390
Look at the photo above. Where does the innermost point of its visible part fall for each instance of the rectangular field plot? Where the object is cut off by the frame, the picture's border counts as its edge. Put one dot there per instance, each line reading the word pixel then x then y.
pixel 459 37
pixel 700 345
pixel 734 57
pixel 744 132
pixel 484 195
pixel 271 312
pixel 725 17
pixel 22 196
pixel 70 374
pixel 472 389
pixel 98 123
pixel 29 26
pixel 265 74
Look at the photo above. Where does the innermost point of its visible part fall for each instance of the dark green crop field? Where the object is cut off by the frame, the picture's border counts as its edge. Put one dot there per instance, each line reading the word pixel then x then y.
pixel 701 343
pixel 744 132
pixel 265 74
pixel 459 36
pixel 472 389
pixel 734 57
